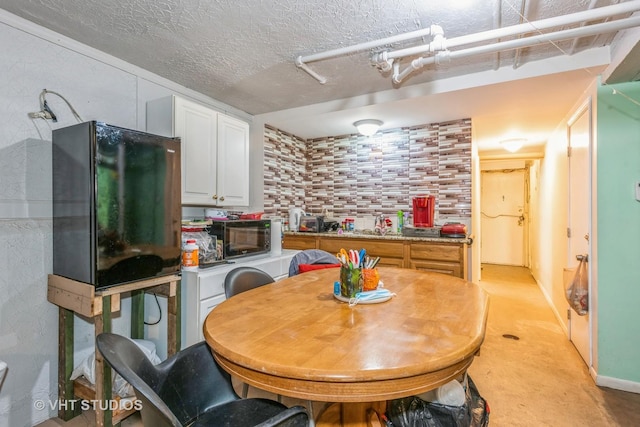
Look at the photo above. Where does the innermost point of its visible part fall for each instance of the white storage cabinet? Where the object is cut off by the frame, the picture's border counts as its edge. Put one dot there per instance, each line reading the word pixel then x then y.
pixel 201 291
pixel 214 150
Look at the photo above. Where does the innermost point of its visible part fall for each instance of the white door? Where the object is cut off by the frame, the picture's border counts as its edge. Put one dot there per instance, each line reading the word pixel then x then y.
pixel 503 221
pixel 579 133
pixel 233 162
pixel 196 125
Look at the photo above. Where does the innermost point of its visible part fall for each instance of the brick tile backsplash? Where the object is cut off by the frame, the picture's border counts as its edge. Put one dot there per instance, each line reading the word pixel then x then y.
pixel 358 176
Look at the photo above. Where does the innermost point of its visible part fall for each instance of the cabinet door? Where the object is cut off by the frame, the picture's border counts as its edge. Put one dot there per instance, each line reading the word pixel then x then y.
pixel 451 268
pixel 196 125
pixel 438 257
pixel 298 242
pixel 390 253
pixel 206 306
pixel 233 162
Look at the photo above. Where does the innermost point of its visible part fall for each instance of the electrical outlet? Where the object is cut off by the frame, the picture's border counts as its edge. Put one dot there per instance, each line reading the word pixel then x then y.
pixel 638 191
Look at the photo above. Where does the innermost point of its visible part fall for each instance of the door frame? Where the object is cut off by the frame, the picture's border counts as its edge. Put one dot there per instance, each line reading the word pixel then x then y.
pixel 502 166
pixel 585 108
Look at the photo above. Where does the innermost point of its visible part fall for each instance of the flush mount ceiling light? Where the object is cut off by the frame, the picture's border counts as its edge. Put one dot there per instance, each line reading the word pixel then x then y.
pixel 368 127
pixel 512 145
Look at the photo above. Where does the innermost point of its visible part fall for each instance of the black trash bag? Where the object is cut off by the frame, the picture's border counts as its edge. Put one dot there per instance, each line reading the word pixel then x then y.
pixel 415 412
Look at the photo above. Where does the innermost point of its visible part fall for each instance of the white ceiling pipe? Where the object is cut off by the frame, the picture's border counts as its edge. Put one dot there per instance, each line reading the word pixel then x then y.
pixel 544 24
pixel 514 30
pixel 321 79
pixel 302 60
pixel 524 12
pixel 574 45
pixel 385 64
pixel 437 43
pixel 497 23
pixel 374 43
pixel 519 43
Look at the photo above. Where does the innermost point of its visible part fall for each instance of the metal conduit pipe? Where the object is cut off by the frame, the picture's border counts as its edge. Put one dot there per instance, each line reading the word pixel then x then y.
pixel 524 12
pixel 514 30
pixel 321 79
pixel 302 60
pixel 574 45
pixel 590 30
pixel 497 23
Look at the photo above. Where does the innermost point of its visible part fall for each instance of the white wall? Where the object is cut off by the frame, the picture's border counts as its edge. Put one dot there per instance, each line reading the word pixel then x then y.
pixel 548 231
pixel 100 88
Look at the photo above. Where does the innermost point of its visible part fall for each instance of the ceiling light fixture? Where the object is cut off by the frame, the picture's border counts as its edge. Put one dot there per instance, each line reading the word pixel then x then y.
pixel 512 145
pixel 368 127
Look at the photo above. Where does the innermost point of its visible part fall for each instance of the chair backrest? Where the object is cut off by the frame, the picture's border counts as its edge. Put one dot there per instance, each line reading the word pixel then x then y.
pixel 175 391
pixel 310 256
pixel 295 416
pixel 242 279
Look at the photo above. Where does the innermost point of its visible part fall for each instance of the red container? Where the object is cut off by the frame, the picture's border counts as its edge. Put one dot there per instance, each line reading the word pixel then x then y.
pixel 423 211
pixel 255 215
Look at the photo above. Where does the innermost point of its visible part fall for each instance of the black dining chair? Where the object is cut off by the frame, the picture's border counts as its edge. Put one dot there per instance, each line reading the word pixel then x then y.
pixel 189 389
pixel 242 279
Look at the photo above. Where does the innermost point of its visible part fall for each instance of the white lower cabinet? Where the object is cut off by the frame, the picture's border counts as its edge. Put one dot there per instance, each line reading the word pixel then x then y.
pixel 206 305
pixel 203 290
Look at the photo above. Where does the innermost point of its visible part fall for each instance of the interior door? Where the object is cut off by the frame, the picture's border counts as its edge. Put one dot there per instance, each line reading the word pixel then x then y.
pixel 503 220
pixel 579 133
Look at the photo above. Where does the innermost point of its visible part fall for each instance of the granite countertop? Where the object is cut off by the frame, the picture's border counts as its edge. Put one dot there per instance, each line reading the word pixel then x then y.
pixel 388 236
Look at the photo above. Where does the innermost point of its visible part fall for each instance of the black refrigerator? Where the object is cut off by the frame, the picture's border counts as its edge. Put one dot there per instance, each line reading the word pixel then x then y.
pixel 116 204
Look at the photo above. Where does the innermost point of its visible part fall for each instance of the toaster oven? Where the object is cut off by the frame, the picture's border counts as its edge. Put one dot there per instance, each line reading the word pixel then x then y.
pixel 311 224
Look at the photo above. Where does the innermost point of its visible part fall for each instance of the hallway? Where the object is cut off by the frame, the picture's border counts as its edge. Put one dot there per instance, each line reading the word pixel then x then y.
pixel 538 379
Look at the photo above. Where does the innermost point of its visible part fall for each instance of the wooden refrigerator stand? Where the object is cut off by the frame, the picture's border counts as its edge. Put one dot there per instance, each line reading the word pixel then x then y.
pixel 73 297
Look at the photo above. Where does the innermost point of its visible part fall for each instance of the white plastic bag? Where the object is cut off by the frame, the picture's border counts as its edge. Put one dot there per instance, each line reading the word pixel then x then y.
pixel 87 368
pixel 577 291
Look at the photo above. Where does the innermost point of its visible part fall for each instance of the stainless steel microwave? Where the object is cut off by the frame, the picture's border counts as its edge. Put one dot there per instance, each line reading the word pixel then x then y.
pixel 242 237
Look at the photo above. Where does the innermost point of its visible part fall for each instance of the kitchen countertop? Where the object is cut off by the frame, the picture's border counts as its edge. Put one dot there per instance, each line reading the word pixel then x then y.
pixel 388 236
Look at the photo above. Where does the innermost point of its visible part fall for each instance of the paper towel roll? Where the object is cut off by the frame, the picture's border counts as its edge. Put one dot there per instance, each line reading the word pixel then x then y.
pixel 276 236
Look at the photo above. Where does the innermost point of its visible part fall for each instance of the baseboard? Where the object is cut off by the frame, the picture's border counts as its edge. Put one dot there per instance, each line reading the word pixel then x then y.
pixel 617 383
pixel 555 312
pixel 600 380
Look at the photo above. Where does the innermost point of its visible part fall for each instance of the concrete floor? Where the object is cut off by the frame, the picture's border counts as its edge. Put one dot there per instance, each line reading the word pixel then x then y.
pixel 540 379
pixel 537 380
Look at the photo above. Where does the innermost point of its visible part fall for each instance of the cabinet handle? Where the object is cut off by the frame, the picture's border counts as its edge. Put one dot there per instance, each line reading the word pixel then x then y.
pixel 215 197
pixel 222 199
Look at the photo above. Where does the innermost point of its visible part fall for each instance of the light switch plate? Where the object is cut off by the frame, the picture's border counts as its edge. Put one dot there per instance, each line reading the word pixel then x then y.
pixel 638 191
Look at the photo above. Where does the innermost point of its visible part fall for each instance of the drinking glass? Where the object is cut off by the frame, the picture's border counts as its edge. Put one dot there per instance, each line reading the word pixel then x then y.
pixel 351 281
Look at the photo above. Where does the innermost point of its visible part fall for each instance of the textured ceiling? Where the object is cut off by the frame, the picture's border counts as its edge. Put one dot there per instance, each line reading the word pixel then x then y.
pixel 242 52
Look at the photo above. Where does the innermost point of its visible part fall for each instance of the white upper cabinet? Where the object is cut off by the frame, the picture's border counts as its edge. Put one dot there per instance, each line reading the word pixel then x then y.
pixel 215 151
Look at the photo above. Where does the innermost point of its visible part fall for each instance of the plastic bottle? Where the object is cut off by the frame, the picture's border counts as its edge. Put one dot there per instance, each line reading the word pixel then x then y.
pixel 400 221
pixel 190 256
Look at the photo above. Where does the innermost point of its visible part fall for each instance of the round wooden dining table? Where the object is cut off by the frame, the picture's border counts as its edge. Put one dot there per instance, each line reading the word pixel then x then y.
pixel 295 338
